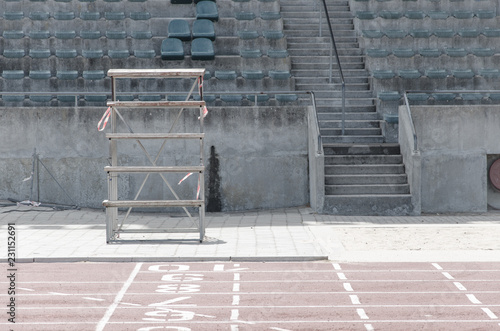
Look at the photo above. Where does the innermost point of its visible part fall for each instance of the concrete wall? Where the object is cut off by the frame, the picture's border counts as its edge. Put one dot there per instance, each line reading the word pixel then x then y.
pixel 453 143
pixel 255 157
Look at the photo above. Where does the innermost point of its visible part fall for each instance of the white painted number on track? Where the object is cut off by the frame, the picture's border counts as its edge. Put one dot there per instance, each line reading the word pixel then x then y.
pixel 348 287
pixel 182 277
pixel 168 267
pixel 355 299
pixel 459 286
pixel 362 314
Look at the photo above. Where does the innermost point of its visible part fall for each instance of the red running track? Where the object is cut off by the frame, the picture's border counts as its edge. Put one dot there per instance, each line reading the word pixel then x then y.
pixel 254 296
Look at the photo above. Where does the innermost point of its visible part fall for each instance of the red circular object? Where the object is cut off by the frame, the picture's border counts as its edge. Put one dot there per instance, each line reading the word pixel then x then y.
pixel 495 174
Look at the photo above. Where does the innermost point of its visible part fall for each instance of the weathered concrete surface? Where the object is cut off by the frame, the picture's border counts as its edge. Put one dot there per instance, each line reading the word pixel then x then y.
pixel 449 172
pixel 262 155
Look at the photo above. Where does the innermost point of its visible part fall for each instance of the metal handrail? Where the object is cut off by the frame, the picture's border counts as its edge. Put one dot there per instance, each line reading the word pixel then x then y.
pixel 412 126
pixel 334 46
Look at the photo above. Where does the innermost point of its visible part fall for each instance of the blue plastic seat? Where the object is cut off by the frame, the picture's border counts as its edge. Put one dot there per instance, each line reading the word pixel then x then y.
pixel 252 74
pixel 93 74
pixel 207 10
pixel 438 15
pixel 270 15
pixel 489 73
pixel 395 33
pixel 365 15
pixel 377 52
pixel 13 74
pixel 463 73
pixel 456 52
pixel 436 73
pixel 418 96
pixel 471 96
pixel 444 33
pixel 415 14
pixel 389 96
pixel 203 28
pixel 430 52
pixel 13 15
pixel 13 53
pixel 248 34
pixel 43 34
pixel 90 34
pixel 485 14
pixel 250 53
pixel 40 98
pixel 95 98
pixel 409 73
pixel 13 34
pixel 140 16
pixel 420 33
pixel 114 16
pixel 279 74
pixel 286 97
pixel 444 96
pixel 90 16
pixel 468 32
pixel 390 14
pixel 202 48
pixel 92 53
pixel 403 52
pixel 67 74
pixel 66 53
pixel 383 74
pixel 277 53
pixel 491 32
pixel 225 74
pixel 483 52
pixel 231 97
pixel 172 49
pixel 39 74
pixel 116 34
pixel 39 53
pixel 149 97
pixel 373 33
pixel 39 16
pixel 64 16
pixel 273 34
pixel 179 29
pixel 462 14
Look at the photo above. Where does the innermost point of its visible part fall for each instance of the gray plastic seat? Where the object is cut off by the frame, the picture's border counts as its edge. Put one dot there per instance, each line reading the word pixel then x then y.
pixel 66 53
pixel 13 53
pixel 417 96
pixel 403 52
pixel 39 74
pixel 12 98
pixel 172 49
pixel 468 32
pixel 485 14
pixel 13 74
pixel 244 16
pixel 277 53
pixel 43 34
pixel 463 73
pixel 390 14
pixel 456 52
pixel 95 98
pixel 383 74
pixel 491 32
pixel 116 34
pixel 436 73
pixel 90 16
pixel 179 29
pixel 252 74
pixel 286 97
pixel 64 16
pixel 258 97
pixel 444 96
pixel 273 34
pixel 202 48
pixel 39 53
pixel 415 14
pixel 118 53
pixel 40 98
pixel 152 97
pixel 250 53
pixel 140 16
pixel 39 16
pixel 93 74
pixel 145 53
pixel 13 34
pixel 92 53
pixel 67 98
pixel 90 34
pixel 444 33
pixel 471 96
pixel 438 15
pixel 114 16
pixel 409 73
pixel 270 15
pixel 393 34
pixel 483 52
pixel 67 74
pixel 389 95
pixel 225 74
pixel 463 14
pixel 231 97
pixel 489 73
pixel 13 15
pixel 248 34
pixel 279 74
pixel 203 28
pixel 420 33
pixel 365 15
pixel 207 10
pixel 430 52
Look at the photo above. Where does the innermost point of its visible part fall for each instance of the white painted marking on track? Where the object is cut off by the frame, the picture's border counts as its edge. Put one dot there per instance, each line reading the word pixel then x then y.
pixel 234 328
pixel 235 313
pixel 355 299
pixel 236 300
pixel 236 265
pixel 219 267
pixel 447 275
pixel 459 286
pixel 25 289
pixel 336 266
pixel 348 287
pixel 236 287
pixel 119 296
pixel 369 327
pixel 236 276
pixel 473 299
pixel 93 299
pixel 57 293
pixel 130 304
pixel 279 329
pixel 341 275
pixel 490 313
pixel 437 266
pixel 362 314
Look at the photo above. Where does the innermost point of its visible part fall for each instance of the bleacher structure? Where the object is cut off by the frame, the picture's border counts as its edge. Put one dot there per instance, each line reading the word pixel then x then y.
pixel 268 53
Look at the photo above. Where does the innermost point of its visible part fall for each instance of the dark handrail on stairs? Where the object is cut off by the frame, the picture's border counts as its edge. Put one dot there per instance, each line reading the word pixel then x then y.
pixel 334 46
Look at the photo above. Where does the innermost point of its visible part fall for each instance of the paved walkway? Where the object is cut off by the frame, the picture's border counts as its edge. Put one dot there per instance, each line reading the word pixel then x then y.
pixel 44 234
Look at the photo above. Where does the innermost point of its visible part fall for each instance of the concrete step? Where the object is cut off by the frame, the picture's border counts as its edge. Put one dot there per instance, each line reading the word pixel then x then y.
pixel 301 86
pixel 304 63
pixel 367 149
pixel 367 189
pixel 337 139
pixel 351 114
pixel 349 80
pixel 314 45
pixel 389 179
pixel 314 33
pixel 335 93
pixel 351 52
pixel 367 169
pixel 362 160
pixel 313 24
pixel 376 205
pixel 363 130
pixel 335 104
pixel 336 124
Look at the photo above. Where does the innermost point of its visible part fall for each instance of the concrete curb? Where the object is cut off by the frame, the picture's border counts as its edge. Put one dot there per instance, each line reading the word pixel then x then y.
pixel 123 259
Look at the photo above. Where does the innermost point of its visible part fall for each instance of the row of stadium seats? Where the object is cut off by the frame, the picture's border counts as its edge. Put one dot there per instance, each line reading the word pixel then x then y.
pixel 436 73
pixel 71 15
pixel 430 52
pixel 72 34
pixel 418 14
pixel 426 33
pixel 444 96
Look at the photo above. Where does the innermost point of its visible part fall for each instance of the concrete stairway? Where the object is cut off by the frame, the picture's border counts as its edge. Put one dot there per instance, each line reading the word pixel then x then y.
pixel 363 176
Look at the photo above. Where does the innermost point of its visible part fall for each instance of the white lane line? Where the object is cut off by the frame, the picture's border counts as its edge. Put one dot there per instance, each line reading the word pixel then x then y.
pixel 348 287
pixel 447 275
pixel 130 304
pixel 341 275
pixel 236 277
pixel 236 300
pixel 57 293
pixel 437 266
pixel 236 287
pixel 235 313
pixel 119 296
pixel 25 289
pixel 490 313
pixel 473 299
pixel 369 327
pixel 459 286
pixel 336 266
pixel 355 299
pixel 93 299
pixel 362 314
pixel 279 329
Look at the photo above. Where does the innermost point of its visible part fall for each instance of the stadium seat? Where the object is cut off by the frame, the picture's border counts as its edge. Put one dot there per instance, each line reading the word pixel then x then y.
pixel 244 16
pixel 203 29
pixel 389 95
pixel 418 96
pixel 145 53
pixel 66 34
pixel 489 73
pixel 420 33
pixel 116 34
pixel 415 14
pixel 39 16
pixel 365 15
pixel 39 74
pixel 468 32
pixel 207 10
pixel 485 14
pixel 444 33
pixel 270 15
pixel 64 16
pixel 67 98
pixel 140 16
pixel 395 33
pixel 383 74
pixel 248 34
pixel 39 53
pixel 403 52
pixel 456 52
pixel 377 52
pixel 90 16
pixel 149 97
pixel 125 97
pixel 89 34
pixel 13 15
pixel 463 73
pixel 13 74
pixel 202 48
pixel 436 73
pixel 273 34
pixel 93 74
pixel 279 74
pixel 483 52
pixel 43 34
pixel 13 34
pixel 66 53
pixel 231 97
pixel 13 53
pixel 250 53
pixel 491 32
pixel 252 74
pixel 92 53
pixel 181 2
pixel 444 96
pixel 67 74
pixel 390 14
pixel 409 74
pixel 12 98
pixel 179 28
pixel 258 97
pixel 40 98
pixel 438 15
pixel 462 14
pixel 114 16
pixel 430 52
pixel 471 96
pixel 172 49
pixel 373 33
pixel 225 74
pixel 118 53
pixel 95 98
pixel 277 53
